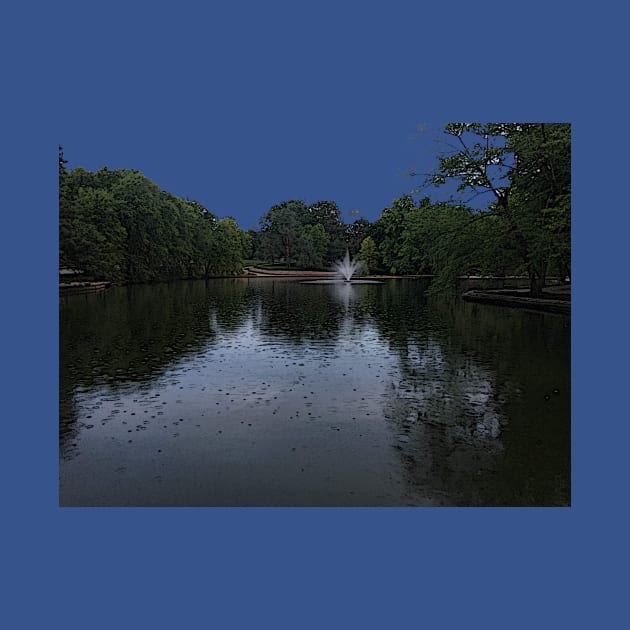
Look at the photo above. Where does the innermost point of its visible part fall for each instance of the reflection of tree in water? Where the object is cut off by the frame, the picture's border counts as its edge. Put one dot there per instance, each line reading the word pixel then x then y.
pixel 131 332
pixel 230 303
pixel 470 407
pixel 127 334
pixel 472 400
pixel 290 312
pixel 298 313
pixel 529 354
pixel 448 422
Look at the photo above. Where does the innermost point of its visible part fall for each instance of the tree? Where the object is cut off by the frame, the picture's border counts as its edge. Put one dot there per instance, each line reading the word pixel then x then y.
pixel 368 254
pixel 426 238
pixel 445 240
pixel 62 163
pixel 221 244
pixel 355 233
pixel 140 208
pixel 435 241
pixel 313 246
pixel 228 258
pixel 391 224
pixel 541 191
pixel 247 244
pixel 205 242
pixel 284 221
pixel 118 225
pixel 269 245
pixel 327 214
pixel 519 165
pixel 90 235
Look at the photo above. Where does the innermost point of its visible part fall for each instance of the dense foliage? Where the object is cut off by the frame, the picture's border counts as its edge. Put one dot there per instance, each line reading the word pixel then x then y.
pixel 524 227
pixel 119 226
pixel 525 168
pixel 310 236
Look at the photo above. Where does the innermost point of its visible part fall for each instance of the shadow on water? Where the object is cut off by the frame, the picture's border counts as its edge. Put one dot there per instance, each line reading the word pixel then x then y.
pixel 128 336
pixel 483 398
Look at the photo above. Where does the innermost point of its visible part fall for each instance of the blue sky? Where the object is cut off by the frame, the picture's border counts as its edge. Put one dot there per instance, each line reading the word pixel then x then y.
pixel 244 105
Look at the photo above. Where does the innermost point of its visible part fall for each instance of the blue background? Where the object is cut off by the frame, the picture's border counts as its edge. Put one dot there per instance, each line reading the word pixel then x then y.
pixel 122 82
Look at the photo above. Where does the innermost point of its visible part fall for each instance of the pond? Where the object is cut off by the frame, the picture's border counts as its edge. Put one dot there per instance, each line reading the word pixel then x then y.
pixel 273 392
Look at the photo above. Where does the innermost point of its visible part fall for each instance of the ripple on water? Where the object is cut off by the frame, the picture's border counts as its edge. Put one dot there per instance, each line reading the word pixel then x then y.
pixel 383 369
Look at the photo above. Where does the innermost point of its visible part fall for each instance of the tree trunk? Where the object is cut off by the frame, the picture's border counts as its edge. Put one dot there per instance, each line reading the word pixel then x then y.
pixel 536 280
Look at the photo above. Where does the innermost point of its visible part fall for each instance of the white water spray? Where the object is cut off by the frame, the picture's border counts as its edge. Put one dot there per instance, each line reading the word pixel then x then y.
pixel 346 268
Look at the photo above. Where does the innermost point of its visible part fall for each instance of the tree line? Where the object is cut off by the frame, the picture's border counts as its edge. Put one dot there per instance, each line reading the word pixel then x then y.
pixel 119 225
pixel 524 227
pixel 310 237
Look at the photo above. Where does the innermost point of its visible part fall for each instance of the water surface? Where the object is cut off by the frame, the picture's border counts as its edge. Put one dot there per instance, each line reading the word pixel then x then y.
pixel 269 392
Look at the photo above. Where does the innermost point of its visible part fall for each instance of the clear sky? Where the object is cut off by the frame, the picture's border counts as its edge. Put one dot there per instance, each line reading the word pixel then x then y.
pixel 243 105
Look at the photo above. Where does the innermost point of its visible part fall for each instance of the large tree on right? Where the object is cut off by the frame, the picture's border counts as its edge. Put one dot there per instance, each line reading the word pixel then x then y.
pixel 525 168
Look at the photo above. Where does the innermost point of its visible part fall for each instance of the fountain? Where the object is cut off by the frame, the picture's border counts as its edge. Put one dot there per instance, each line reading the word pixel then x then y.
pixel 345 268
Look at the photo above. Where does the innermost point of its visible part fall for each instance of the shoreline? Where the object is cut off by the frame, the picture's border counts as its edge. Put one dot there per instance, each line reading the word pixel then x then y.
pixel 73 288
pixel 555 299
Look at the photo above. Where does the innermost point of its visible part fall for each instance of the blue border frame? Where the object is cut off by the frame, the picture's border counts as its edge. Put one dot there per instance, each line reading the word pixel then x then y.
pixel 446 568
